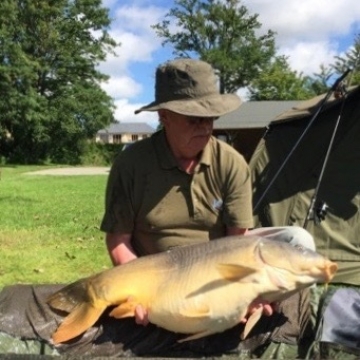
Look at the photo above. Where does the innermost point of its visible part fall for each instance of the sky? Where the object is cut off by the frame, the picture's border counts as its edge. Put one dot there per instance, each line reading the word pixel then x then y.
pixel 308 32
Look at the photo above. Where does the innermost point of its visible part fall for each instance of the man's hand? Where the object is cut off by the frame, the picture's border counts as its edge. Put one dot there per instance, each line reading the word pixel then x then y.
pixel 141 315
pixel 267 309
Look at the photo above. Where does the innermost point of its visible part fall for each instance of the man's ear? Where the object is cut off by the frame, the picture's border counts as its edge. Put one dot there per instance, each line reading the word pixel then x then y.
pixel 163 116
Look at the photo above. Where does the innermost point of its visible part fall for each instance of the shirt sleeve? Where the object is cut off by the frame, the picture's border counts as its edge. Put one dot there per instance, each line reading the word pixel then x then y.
pixel 238 194
pixel 119 213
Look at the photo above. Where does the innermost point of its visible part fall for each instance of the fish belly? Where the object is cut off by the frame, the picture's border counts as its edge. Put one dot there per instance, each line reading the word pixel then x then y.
pixel 213 311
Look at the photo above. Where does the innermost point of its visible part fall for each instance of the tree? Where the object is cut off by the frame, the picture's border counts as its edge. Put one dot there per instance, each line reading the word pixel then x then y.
pixel 278 82
pixel 222 33
pixel 51 101
pixel 319 83
pixel 351 60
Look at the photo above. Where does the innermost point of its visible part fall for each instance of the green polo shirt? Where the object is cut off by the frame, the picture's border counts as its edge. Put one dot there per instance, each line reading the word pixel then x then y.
pixel 162 206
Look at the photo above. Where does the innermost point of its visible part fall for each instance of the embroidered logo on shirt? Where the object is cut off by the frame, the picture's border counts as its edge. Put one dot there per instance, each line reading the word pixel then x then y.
pixel 217 204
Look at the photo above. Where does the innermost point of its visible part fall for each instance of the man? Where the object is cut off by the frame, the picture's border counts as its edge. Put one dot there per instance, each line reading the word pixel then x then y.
pixel 182 185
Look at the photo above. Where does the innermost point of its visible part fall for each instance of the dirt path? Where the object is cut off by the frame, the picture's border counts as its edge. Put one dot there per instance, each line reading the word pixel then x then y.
pixel 94 170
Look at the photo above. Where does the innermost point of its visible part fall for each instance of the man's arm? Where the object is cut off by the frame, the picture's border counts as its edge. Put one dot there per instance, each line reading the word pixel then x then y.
pixel 121 251
pixel 235 231
pixel 120 248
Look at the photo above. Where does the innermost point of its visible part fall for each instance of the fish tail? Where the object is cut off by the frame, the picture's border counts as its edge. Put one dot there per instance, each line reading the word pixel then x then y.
pixel 67 298
pixel 78 321
pixel 84 308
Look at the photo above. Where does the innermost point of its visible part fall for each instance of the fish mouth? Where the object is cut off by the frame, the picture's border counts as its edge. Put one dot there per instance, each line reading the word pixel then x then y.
pixel 330 270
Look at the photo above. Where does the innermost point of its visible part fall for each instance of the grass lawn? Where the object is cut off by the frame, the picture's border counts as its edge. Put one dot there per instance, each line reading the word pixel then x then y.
pixel 49 226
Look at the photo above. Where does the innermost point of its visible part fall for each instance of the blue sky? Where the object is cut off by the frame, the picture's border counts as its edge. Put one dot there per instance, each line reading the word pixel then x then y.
pixel 309 32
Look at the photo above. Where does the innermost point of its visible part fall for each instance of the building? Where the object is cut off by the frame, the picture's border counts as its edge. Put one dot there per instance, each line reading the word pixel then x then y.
pixel 124 133
pixel 244 127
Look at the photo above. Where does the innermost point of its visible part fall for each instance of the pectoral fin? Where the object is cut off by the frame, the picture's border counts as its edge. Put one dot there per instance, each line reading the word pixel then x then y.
pixel 234 272
pixel 196 336
pixel 251 322
pixel 125 309
pixel 199 312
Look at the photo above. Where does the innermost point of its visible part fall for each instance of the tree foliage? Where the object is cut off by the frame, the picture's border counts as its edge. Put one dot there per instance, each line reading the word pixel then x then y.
pixel 278 82
pixel 319 82
pixel 222 33
pixel 351 60
pixel 51 101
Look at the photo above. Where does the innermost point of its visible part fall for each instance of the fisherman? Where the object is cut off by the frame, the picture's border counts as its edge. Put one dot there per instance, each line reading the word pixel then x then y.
pixel 182 185
pixel 179 187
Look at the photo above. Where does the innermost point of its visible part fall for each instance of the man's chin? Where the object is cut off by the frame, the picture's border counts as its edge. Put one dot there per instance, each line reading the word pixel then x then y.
pixel 199 145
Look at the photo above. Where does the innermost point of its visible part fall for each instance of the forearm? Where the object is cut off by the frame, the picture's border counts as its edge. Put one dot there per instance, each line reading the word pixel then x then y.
pixel 236 231
pixel 121 252
pixel 120 248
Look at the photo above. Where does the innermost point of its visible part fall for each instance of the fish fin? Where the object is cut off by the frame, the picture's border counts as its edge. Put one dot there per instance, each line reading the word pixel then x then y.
pixel 199 312
pixel 124 310
pixel 77 322
pixel 251 322
pixel 196 336
pixel 234 272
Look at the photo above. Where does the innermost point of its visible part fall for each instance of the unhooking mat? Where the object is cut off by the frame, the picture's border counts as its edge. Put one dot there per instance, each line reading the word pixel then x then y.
pixel 24 314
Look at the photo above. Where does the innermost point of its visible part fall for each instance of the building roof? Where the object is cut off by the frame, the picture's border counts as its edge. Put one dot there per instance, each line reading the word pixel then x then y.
pixel 128 128
pixel 253 114
pixel 250 115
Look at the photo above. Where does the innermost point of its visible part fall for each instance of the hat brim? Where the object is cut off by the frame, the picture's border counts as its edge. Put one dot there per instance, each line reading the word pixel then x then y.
pixel 208 106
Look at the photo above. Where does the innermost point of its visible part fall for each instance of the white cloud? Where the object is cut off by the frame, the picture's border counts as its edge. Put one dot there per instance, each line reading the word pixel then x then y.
pixel 125 113
pixel 307 57
pixel 133 48
pixel 131 28
pixel 122 86
pixel 139 19
pixel 295 20
pixel 307 30
pixel 109 3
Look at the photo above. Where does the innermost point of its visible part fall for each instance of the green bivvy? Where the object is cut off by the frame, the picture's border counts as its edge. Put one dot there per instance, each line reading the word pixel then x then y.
pixel 285 186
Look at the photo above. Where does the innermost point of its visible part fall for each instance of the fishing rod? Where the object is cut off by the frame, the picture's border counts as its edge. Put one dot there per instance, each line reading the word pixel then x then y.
pixel 318 210
pixel 334 87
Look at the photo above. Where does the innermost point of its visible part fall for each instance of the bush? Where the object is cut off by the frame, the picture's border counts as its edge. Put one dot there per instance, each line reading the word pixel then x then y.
pixel 87 153
pixel 98 154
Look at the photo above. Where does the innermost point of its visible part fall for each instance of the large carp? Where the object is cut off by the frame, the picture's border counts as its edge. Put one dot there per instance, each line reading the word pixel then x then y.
pixel 198 289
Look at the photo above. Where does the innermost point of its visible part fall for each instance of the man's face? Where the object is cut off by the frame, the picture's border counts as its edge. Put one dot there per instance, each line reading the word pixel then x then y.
pixel 187 135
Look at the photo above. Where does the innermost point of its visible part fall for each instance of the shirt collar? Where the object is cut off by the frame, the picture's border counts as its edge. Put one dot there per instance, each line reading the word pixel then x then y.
pixel 167 159
pixel 205 158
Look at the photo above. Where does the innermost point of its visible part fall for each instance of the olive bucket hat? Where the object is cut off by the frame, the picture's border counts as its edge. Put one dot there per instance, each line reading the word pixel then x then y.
pixel 189 87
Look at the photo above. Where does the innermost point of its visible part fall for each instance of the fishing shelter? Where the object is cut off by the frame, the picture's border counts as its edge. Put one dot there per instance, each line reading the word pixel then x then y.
pixel 290 175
